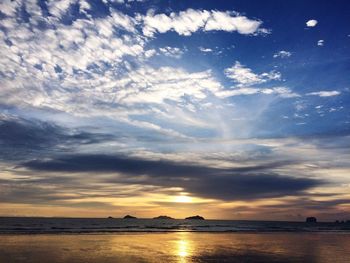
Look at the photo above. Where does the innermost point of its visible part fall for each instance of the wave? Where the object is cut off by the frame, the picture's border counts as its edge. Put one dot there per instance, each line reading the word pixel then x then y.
pixel 99 225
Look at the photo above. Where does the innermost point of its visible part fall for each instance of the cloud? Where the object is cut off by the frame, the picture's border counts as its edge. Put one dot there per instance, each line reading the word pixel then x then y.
pixel 280 91
pixel 97 66
pixel 123 1
pixel 9 7
pixel 325 93
pixel 148 85
pixel 239 183
pixel 243 75
pixel 206 50
pixel 282 54
pixel 60 7
pixel 189 21
pixel 230 22
pixel 311 23
pixel 22 139
pixel 174 52
pixel 320 43
pixel 39 66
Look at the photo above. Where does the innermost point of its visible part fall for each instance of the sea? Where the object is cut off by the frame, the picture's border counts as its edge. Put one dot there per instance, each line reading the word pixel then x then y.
pixel 36 225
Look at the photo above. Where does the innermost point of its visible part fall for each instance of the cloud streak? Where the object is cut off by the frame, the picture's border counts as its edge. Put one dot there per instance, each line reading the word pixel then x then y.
pixel 324 93
pixel 240 183
pixel 190 21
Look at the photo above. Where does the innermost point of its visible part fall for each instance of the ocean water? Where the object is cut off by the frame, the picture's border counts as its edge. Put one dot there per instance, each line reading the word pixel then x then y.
pixel 17 225
pixel 177 247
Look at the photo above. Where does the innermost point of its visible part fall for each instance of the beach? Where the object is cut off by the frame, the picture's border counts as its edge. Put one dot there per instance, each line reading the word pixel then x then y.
pixel 176 247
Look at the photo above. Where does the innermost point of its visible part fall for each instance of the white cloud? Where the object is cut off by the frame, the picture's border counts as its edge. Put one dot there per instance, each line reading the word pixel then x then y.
pixel 150 53
pixel 311 23
pixel 206 50
pixel 189 21
pixel 282 54
pixel 184 23
pixel 122 1
pixel 148 85
pixel 320 43
pixel 9 7
pixel 245 76
pixel 97 67
pixel 238 92
pixel 174 52
pixel 228 21
pixel 282 92
pixel 328 93
pixel 58 8
pixel 40 64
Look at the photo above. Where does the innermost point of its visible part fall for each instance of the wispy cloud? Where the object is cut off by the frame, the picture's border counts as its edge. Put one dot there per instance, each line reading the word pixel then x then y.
pixel 325 93
pixel 243 75
pixel 174 52
pixel 282 54
pixel 320 43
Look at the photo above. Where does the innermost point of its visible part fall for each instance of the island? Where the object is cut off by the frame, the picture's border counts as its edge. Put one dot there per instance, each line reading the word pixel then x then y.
pixel 197 217
pixel 311 219
pixel 163 217
pixel 129 217
pixel 110 217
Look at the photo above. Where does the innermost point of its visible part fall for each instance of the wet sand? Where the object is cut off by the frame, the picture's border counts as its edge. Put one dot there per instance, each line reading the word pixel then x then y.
pixel 177 247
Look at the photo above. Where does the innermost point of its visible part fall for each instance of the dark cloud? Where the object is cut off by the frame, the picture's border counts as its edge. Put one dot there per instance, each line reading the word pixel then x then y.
pixel 59 189
pixel 21 138
pixel 241 183
pixel 310 204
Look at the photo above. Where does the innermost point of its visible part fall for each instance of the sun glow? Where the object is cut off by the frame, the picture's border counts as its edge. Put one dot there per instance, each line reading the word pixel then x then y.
pixel 183 199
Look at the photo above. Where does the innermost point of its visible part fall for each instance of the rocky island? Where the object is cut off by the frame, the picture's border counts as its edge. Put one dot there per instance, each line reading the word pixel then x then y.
pixel 163 217
pixel 197 217
pixel 311 219
pixel 129 217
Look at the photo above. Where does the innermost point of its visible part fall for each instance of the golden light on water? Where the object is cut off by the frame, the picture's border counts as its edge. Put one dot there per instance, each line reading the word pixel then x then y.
pixel 182 248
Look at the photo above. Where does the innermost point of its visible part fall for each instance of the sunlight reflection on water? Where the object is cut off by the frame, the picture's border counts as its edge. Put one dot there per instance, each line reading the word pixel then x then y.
pixel 181 247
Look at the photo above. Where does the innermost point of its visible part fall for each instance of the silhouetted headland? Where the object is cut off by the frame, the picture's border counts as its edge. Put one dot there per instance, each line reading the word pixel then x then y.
pixel 129 217
pixel 311 219
pixel 197 217
pixel 163 217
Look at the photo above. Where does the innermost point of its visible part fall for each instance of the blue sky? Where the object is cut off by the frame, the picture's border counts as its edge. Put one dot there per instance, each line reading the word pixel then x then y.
pixel 241 106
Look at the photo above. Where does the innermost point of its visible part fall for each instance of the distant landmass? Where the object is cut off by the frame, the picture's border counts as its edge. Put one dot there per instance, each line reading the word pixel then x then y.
pixel 197 217
pixel 311 219
pixel 163 217
pixel 129 217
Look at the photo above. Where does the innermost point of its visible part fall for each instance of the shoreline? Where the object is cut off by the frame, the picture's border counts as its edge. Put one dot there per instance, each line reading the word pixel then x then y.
pixel 345 232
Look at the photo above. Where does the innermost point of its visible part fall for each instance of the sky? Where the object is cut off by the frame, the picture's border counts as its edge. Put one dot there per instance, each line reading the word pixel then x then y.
pixel 226 109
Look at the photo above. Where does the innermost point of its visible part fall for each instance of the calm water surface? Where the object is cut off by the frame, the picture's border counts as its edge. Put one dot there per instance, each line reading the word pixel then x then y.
pixel 176 247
